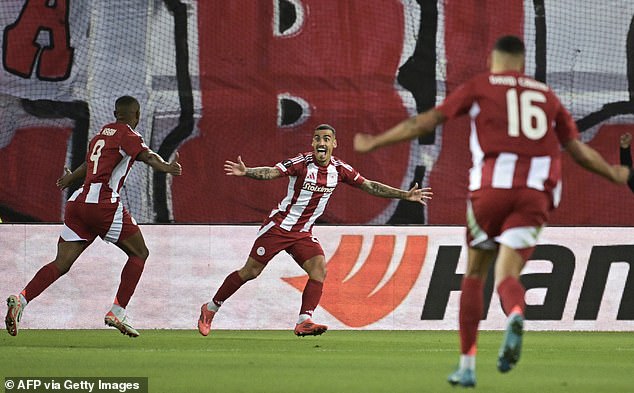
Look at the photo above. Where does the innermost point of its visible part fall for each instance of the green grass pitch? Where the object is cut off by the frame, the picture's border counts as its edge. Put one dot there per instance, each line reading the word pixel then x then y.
pixel 338 361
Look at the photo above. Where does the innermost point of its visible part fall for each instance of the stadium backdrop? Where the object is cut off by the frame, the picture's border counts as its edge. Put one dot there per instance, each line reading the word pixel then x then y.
pixel 217 79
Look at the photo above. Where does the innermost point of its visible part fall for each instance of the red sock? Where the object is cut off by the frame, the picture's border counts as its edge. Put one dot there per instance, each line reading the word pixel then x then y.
pixel 311 296
pixel 130 276
pixel 511 292
pixel 47 275
pixel 232 283
pixel 471 308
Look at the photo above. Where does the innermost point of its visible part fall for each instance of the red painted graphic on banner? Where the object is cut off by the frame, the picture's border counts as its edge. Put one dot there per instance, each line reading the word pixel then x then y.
pixel 17 191
pixel 358 301
pixel 21 48
pixel 344 72
pixel 466 57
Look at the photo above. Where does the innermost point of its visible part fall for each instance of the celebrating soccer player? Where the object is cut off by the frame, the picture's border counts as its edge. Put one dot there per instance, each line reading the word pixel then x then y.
pixel 312 177
pixel 96 210
pixel 517 127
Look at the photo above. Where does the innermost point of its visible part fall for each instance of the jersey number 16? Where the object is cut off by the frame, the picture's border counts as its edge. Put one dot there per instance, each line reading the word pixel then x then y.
pixel 524 115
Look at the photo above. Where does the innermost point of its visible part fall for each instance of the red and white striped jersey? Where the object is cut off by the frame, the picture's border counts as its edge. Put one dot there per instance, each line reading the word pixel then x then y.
pixel 517 127
pixel 110 156
pixel 310 187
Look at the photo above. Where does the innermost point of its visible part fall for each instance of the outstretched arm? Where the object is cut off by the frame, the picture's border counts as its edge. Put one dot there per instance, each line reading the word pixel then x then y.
pixel 259 173
pixel 591 160
pixel 71 177
pixel 156 162
pixel 415 194
pixel 413 127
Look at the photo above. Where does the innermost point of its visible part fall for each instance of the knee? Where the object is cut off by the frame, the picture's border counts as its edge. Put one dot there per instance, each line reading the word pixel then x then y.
pixel 322 270
pixel 249 273
pixel 145 253
pixel 317 271
pixel 477 270
pixel 61 266
pixel 142 253
pixel 474 273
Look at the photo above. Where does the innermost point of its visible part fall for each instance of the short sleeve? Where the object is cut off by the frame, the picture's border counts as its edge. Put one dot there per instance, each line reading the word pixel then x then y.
pixel 349 175
pixel 132 143
pixel 291 166
pixel 565 126
pixel 459 101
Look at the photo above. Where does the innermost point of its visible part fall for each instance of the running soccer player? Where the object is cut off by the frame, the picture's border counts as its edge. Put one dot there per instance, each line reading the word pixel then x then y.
pixel 96 210
pixel 517 128
pixel 313 177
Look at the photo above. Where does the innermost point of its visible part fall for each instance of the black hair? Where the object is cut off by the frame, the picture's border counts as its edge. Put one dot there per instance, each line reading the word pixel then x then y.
pixel 124 103
pixel 326 127
pixel 510 44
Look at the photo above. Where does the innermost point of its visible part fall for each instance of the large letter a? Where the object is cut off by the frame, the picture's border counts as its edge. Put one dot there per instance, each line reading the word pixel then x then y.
pixel 22 50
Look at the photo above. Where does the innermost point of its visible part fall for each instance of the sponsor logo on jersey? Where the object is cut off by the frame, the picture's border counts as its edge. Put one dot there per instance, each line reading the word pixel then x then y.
pixel 315 188
pixel 287 163
pixel 108 131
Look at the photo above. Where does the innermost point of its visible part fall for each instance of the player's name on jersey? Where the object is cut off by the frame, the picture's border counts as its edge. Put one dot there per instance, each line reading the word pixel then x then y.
pixel 509 80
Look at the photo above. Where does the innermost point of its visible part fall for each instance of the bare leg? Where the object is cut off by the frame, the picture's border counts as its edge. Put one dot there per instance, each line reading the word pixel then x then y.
pixel 316 269
pixel 470 313
pixel 134 246
pixel 230 285
pixel 511 291
pixel 67 254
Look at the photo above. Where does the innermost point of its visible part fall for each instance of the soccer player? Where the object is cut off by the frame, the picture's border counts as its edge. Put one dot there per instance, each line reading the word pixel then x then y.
pixel 313 176
pixel 517 127
pixel 96 210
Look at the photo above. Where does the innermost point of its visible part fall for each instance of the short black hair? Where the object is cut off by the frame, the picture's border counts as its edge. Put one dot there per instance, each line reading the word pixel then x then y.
pixel 326 127
pixel 126 103
pixel 510 44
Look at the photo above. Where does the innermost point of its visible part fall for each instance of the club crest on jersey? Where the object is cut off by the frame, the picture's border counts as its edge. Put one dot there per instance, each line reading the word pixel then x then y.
pixel 108 131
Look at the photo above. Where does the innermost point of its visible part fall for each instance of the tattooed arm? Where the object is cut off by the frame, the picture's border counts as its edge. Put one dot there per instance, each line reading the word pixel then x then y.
pixel 415 194
pixel 381 190
pixel 259 173
pixel 263 173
